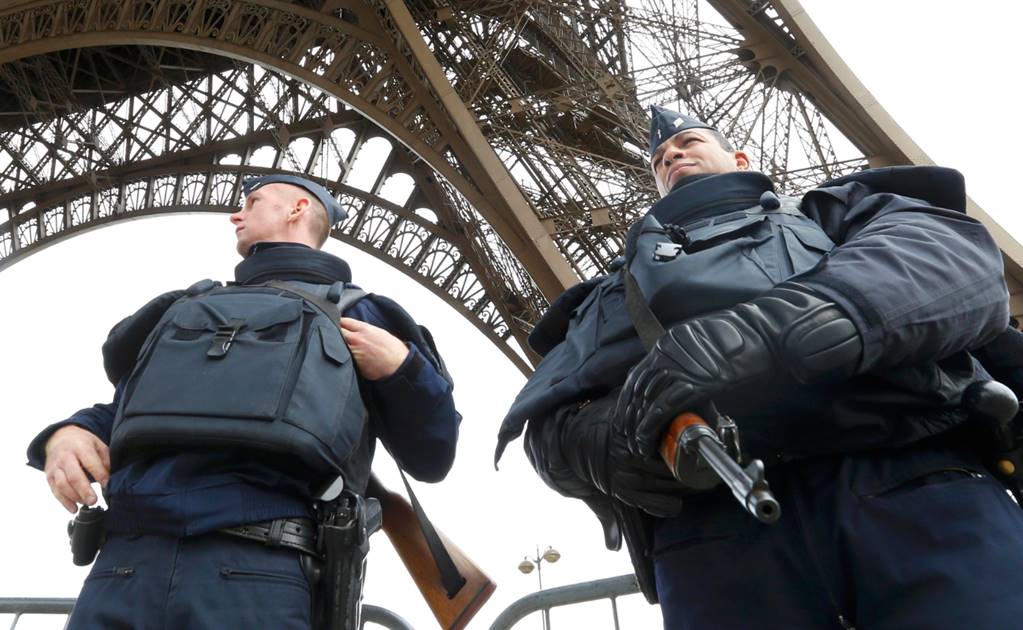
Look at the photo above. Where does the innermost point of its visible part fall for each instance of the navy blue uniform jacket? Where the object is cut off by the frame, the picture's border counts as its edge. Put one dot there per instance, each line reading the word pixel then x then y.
pixel 921 281
pixel 194 493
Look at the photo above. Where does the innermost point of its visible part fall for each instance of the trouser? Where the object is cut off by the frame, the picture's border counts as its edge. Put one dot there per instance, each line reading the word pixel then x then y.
pixel 209 581
pixel 916 539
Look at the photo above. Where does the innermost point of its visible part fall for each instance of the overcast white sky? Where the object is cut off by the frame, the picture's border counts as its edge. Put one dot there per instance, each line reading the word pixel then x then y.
pixel 947 74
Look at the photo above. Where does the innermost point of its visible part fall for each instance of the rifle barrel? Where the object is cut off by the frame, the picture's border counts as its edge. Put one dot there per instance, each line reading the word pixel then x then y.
pixel 758 501
pixel 689 435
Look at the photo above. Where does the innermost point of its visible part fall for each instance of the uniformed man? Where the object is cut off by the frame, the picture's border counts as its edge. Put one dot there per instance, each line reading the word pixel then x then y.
pixel 834 329
pixel 212 538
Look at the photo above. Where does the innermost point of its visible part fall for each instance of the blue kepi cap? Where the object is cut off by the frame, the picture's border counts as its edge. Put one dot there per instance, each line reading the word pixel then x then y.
pixel 335 213
pixel 664 123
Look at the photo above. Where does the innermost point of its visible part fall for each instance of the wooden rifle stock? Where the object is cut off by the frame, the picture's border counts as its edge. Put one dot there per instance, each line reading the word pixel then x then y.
pixel 402 528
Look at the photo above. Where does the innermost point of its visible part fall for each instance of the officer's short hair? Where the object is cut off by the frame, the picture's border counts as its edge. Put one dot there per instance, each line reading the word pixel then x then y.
pixel 722 140
pixel 318 222
pixel 326 211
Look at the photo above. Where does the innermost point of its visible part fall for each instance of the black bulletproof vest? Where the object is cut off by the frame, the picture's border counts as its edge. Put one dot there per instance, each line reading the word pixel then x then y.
pixel 256 368
pixel 709 257
pixel 693 268
pixel 709 246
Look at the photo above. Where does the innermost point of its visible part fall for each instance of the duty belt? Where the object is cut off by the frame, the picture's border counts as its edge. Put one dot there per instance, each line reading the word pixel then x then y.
pixel 293 533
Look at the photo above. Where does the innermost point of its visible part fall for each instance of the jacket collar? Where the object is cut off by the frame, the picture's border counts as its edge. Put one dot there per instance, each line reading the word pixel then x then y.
pixel 291 261
pixel 701 196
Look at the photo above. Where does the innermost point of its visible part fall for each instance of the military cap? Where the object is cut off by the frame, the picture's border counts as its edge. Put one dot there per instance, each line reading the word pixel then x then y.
pixel 335 213
pixel 664 123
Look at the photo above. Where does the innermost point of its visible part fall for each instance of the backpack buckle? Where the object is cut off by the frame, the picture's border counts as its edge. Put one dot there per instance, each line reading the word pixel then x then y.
pixel 666 251
pixel 223 339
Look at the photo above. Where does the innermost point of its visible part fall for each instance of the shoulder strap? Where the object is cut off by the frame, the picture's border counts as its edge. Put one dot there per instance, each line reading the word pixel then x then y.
pixel 450 576
pixel 648 327
pixel 786 205
pixel 330 308
pixel 349 296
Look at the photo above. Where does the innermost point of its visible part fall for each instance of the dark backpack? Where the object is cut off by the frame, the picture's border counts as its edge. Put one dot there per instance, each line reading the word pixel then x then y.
pixel 260 368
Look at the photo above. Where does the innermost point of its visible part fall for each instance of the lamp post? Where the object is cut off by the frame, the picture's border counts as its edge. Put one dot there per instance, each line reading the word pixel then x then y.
pixel 551 555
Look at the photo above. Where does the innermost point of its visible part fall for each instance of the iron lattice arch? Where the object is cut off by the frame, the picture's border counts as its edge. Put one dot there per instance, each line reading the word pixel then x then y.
pixel 516 129
pixel 165 151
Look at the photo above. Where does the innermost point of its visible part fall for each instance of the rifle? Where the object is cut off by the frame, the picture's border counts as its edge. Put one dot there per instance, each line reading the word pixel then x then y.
pixel 401 524
pixel 690 445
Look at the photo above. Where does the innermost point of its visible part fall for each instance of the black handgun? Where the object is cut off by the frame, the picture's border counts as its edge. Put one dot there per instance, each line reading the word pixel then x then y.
pixel 86 534
pixel 345 525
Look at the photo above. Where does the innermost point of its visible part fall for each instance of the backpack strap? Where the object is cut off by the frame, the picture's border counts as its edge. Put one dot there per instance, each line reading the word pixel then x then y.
pixel 332 306
pixel 349 296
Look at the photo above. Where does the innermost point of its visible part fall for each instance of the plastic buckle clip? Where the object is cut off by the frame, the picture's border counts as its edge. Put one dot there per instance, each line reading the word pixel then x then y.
pixel 223 339
pixel 664 252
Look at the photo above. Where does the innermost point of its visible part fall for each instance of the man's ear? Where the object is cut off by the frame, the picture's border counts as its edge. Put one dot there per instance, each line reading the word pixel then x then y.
pixel 298 210
pixel 742 160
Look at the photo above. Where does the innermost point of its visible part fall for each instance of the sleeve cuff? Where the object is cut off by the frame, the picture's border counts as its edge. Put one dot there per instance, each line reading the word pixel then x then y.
pixel 409 368
pixel 37 448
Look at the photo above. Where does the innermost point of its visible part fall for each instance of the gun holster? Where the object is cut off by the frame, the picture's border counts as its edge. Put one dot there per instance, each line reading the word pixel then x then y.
pixel 344 527
pixel 87 535
pixel 995 407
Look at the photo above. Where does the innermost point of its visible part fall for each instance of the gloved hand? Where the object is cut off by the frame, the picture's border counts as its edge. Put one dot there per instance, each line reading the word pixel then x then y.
pixel 543 449
pixel 542 443
pixel 787 328
pixel 580 453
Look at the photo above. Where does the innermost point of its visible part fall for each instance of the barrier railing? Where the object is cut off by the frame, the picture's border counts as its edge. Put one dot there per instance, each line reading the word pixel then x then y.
pixel 541 601
pixel 607 588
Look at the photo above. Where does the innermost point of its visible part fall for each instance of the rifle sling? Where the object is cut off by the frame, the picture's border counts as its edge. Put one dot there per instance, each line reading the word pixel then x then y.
pixel 450 577
pixel 647 326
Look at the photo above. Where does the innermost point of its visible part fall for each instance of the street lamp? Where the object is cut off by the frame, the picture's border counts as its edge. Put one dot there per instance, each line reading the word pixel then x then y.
pixel 551 555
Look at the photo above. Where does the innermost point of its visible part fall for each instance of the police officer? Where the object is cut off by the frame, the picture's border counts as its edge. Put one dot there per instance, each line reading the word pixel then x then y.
pixel 840 349
pixel 173 557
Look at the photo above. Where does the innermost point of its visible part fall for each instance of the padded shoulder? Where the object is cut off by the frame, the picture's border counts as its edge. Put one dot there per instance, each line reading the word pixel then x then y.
pixel 937 185
pixel 126 338
pixel 552 327
pixel 403 326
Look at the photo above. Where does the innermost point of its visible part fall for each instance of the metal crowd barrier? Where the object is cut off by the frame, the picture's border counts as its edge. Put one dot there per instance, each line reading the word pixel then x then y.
pixel 607 588
pixel 543 601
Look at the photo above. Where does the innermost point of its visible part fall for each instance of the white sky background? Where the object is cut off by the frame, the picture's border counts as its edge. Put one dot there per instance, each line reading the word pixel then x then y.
pixel 948 76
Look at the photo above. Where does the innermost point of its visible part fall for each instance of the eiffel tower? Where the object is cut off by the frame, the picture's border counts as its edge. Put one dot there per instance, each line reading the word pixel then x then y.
pixel 512 131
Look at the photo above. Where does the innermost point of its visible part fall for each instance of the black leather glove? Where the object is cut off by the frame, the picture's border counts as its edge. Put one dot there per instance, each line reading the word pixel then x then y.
pixel 579 452
pixel 543 449
pixel 788 328
pixel 542 442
